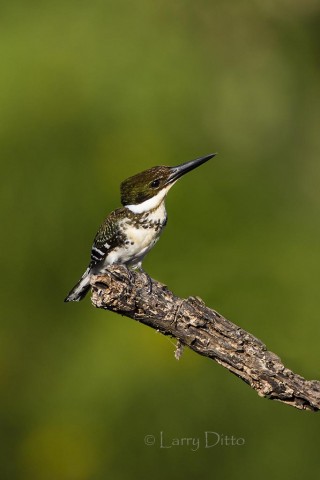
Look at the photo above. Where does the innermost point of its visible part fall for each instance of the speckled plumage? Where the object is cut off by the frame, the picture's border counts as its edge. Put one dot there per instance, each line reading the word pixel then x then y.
pixel 125 236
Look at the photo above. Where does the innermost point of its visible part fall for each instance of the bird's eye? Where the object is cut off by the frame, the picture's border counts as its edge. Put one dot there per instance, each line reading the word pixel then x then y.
pixel 155 183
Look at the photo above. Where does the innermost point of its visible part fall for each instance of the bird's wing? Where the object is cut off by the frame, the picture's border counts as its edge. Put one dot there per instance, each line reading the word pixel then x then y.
pixel 107 238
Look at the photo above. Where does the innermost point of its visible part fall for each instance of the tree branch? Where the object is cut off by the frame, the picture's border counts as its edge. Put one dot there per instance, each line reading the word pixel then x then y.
pixel 204 331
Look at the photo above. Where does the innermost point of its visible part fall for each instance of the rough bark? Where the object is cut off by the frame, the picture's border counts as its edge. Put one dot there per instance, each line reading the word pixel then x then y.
pixel 206 332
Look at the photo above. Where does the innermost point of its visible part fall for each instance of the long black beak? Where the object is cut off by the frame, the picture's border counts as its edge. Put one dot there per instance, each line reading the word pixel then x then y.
pixel 177 172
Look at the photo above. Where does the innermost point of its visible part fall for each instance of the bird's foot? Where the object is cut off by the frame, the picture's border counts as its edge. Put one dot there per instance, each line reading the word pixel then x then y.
pixel 149 280
pixel 118 276
pixel 130 275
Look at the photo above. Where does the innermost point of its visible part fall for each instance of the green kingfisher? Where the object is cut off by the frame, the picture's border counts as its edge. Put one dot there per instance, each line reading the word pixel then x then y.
pixel 129 233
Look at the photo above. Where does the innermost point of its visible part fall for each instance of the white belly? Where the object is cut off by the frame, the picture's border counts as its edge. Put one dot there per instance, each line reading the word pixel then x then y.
pixel 139 240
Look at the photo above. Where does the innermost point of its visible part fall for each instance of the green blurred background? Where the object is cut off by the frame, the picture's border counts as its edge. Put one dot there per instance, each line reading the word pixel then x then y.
pixel 91 93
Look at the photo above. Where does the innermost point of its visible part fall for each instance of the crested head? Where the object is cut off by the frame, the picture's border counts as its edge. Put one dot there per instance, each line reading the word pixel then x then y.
pixel 143 186
pixel 147 189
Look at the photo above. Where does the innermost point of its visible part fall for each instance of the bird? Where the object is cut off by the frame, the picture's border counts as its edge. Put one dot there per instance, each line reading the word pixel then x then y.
pixel 130 232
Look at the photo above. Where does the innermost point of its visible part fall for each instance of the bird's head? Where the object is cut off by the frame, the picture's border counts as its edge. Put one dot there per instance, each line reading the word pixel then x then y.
pixel 147 189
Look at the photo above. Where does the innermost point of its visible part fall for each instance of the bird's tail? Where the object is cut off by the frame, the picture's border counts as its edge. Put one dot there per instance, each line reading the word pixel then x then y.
pixel 81 289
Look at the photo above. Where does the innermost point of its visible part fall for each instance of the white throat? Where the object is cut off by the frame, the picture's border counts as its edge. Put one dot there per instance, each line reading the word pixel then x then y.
pixel 151 203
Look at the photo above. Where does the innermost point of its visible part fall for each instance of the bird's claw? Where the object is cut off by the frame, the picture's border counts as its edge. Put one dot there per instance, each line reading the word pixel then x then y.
pixel 149 280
